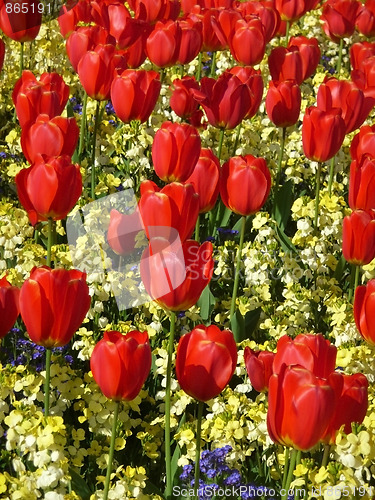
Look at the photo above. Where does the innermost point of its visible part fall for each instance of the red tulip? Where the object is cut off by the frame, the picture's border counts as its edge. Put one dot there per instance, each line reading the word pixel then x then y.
pixel 205 361
pixel 358 237
pixel 96 71
pixel 259 367
pixel 120 364
pixel 21 21
pixel 84 39
pixel 245 184
pixel 269 16
pixel 9 307
pixel 339 18
pixel 163 43
pixel 351 406
pixel 224 25
pixel 283 103
pixel 175 279
pixel 205 180
pixel 300 407
pixel 292 10
pixel 141 89
pixel 175 206
pixel 247 43
pixel 362 184
pixel 151 11
pixel 136 53
pixel 122 231
pixel 313 352
pixel 182 100
pixel 364 311
pixel 31 97
pixel 49 189
pixel 316 146
pixel 70 17
pixel 210 41
pixel 50 137
pixel 225 100
pixel 310 53
pixel 252 78
pixel 190 42
pixel 115 18
pixel 2 54
pixel 365 21
pixel 53 304
pixel 286 64
pixel 175 151
pixel 363 143
pixel 344 95
pixel 359 52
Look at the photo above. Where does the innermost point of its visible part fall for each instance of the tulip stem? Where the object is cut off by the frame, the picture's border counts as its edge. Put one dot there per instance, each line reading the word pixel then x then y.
pixel 221 140
pixel 317 193
pixel 49 241
pixel 82 133
pixel 197 226
pixel 46 382
pixel 93 173
pixel 168 459
pixel 279 163
pixel 239 126
pixel 289 478
pixel 198 448
pixel 331 173
pixel 287 33
pixel 199 70
pixel 327 450
pixel 238 264
pixel 354 279
pixel 21 58
pixel 338 66
pixel 213 64
pixel 111 451
pixel 286 464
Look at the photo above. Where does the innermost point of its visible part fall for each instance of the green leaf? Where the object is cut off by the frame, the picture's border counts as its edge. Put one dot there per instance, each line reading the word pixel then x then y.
pixel 206 303
pixel 251 321
pixel 340 267
pixel 237 325
pixel 284 241
pixel 79 485
pixel 283 203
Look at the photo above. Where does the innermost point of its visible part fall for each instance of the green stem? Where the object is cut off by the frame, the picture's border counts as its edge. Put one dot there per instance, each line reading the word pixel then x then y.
pixel 49 241
pixel 220 146
pixel 239 126
pixel 111 451
pixel 238 264
pixel 317 193
pixel 354 279
pixel 46 382
pixel 331 173
pixel 21 58
pixel 93 173
pixel 213 65
pixel 199 70
pixel 286 465
pixel 168 459
pixel 338 66
pixel 280 161
pixel 198 449
pixel 327 450
pixel 298 461
pixel 197 224
pixel 289 479
pixel 82 133
pixel 287 33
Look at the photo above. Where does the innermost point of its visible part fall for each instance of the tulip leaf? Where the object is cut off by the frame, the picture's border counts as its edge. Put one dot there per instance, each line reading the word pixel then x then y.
pixel 251 321
pixel 340 267
pixel 237 325
pixel 206 303
pixel 282 204
pixel 243 327
pixel 284 241
pixel 79 485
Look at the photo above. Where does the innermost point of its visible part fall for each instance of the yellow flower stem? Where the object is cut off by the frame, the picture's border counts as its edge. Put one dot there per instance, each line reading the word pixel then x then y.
pixel 238 264
pixel 198 449
pixel 111 451
pixel 168 456
pixel 46 382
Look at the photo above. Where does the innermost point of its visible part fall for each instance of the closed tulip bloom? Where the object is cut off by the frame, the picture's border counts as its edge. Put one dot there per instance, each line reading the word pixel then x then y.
pixel 32 97
pixel 24 25
pixel 310 53
pixel 283 103
pixel 163 43
pixel 151 11
pixel 339 17
pixel 292 10
pixel 175 206
pixel 259 368
pixel 49 189
pixel 253 79
pixel 224 25
pixel 205 180
pixel 364 311
pixel 286 64
pixel 141 89
pixel 362 184
pixel 174 278
pixel 50 137
pixel 358 237
pixel 247 43
pixel 360 51
pixel 266 12
pixel 311 351
pixel 70 17
pixel 122 231
pixel 53 304
pixel 316 146
pixel 210 41
pixel 363 143
pixel 175 151
pixel 86 38
pixel 205 361
pixel 120 364
pixel 364 78
pixel 96 71
pixel 190 42
pixel 300 407
pixel 225 101
pixel 343 94
pixel 9 305
pixel 365 21
pixel 351 406
pixel 245 184
pixel 182 100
